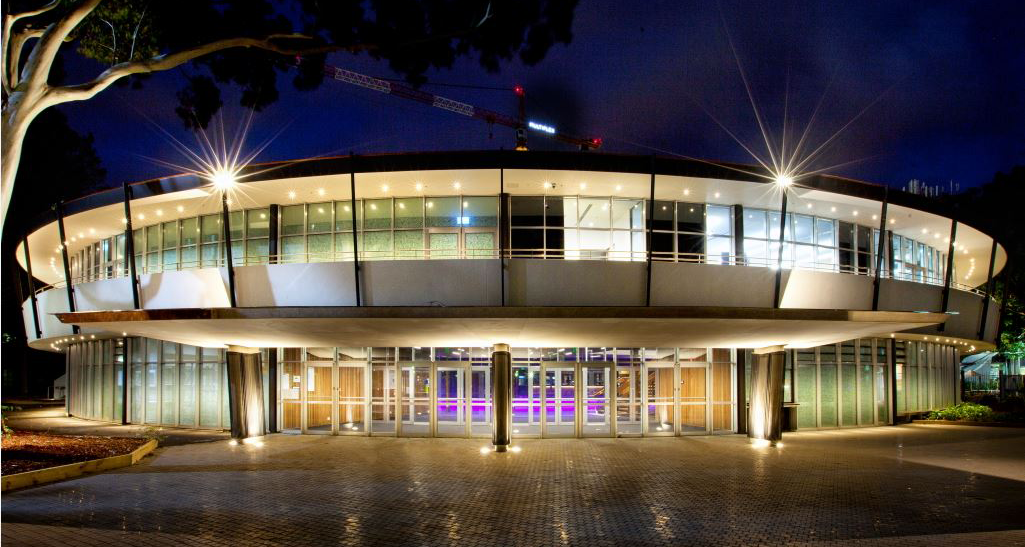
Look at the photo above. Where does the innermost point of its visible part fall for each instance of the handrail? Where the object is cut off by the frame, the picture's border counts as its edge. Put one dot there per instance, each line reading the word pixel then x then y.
pixel 117 269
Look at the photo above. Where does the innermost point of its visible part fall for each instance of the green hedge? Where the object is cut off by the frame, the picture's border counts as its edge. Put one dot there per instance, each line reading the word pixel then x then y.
pixel 967 412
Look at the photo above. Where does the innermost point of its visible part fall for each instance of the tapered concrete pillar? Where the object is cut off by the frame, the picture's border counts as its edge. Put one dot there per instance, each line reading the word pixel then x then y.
pixel 245 392
pixel 501 395
pixel 766 411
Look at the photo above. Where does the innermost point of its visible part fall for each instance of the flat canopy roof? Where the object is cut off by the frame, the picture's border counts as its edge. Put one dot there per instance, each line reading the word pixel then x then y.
pixel 517 326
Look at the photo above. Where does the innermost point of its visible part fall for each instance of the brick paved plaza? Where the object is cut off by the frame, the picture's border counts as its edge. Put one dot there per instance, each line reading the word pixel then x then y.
pixel 912 484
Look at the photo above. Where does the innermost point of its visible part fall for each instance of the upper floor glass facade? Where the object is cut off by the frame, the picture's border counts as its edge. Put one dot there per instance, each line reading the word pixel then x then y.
pixel 545 227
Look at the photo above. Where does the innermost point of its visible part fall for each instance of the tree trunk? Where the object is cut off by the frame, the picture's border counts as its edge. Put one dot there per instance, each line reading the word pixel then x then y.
pixel 16 119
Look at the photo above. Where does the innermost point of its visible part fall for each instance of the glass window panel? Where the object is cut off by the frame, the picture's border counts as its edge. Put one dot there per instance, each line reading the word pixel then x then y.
pixel 138 239
pixel 378 214
pixel 410 243
pixel 320 248
pixel 662 216
pixel 754 224
pixel 343 215
pixel 409 213
pixel 593 244
pixel 187 394
pixel 376 244
pixel 257 223
pixel 293 249
pixel 211 228
pixel 442 212
pixel 527 239
pixel 845 235
pixel 152 238
pixel 293 219
pixel 849 401
pixel 257 251
pixel 827 395
pixel 343 246
pixel 169 393
pixel 594 213
pixel 806 392
pixel 170 259
pixel 209 252
pixel 805 256
pixel 209 394
pixel 560 211
pixel 190 231
pixel 690 246
pixel 804 229
pixel 755 251
pixel 320 217
pixel 480 244
pixel 480 211
pixel 690 217
pixel 628 214
pixel 170 231
pixel 774 220
pixel 236 222
pixel 719 220
pixel 719 250
pixel 662 245
pixel 152 392
pixel 527 211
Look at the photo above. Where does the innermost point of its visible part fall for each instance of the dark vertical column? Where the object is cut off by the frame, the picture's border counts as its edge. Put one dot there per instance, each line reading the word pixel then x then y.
pixel 245 393
pixel 741 392
pixel 130 247
pixel 32 289
pixel 59 210
pixel 880 249
pixel 226 224
pixel 67 380
pixel 651 213
pixel 272 388
pixel 355 228
pixel 892 362
pixel 949 273
pixel 126 362
pixel 503 229
pixel 501 393
pixel 766 413
pixel 272 235
pixel 989 292
pixel 738 234
pixel 779 257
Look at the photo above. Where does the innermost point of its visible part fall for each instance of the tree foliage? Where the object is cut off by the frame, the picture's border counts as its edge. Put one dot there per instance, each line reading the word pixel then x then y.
pixel 999 203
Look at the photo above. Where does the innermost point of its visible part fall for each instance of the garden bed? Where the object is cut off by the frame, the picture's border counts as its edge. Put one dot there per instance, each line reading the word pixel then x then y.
pixel 28 451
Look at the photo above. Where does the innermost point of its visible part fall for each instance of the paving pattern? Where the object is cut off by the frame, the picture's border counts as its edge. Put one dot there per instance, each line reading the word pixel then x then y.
pixel 912 484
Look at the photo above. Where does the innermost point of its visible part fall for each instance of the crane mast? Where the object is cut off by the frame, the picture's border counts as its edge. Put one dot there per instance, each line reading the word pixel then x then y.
pixel 520 124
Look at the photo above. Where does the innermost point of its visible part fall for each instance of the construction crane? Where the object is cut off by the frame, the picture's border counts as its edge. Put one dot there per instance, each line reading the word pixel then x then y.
pixel 521 124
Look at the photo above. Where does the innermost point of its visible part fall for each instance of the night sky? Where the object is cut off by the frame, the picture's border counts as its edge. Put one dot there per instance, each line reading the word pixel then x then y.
pixel 944 82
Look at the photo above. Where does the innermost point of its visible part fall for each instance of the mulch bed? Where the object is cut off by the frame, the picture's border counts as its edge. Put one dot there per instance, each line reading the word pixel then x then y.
pixel 27 451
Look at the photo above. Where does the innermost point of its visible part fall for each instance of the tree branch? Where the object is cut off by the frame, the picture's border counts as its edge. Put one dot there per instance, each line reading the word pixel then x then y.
pixel 12 56
pixel 84 91
pixel 37 69
pixel 12 50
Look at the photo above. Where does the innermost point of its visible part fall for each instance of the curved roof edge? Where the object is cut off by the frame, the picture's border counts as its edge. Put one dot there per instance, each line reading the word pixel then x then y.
pixel 509 159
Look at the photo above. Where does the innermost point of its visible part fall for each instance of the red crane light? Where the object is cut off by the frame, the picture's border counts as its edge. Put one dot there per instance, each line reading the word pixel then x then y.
pixel 518 90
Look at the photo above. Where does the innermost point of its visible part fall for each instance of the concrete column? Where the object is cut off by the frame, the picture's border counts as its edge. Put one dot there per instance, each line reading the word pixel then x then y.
pixel 245 392
pixel 501 395
pixel 766 413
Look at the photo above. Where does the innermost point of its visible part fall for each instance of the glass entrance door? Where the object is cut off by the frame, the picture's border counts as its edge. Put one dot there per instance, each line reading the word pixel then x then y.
pixel 382 399
pixel 351 401
pixel 319 392
pixel 660 399
pixel 415 400
pixel 450 382
pixel 560 401
pixel 693 398
pixel 480 400
pixel 596 400
pixel 526 400
pixel 628 398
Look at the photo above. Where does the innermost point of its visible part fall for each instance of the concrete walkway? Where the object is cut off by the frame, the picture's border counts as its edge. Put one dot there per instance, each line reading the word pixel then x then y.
pixel 906 485
pixel 51 419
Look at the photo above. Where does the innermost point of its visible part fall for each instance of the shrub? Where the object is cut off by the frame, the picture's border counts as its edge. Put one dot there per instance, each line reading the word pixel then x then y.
pixel 968 412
